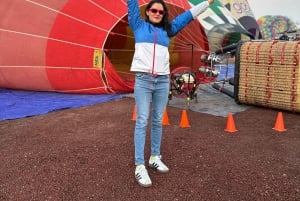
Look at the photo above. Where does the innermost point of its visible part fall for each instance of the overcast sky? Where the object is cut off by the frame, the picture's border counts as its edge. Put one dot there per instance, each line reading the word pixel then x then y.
pixel 288 8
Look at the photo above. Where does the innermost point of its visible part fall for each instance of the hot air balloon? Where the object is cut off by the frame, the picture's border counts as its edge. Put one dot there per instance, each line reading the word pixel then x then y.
pixel 222 27
pixel 241 10
pixel 80 46
pixel 273 26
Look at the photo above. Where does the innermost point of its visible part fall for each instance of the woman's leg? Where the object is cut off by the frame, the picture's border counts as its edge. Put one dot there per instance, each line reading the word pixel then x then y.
pixel 160 100
pixel 142 94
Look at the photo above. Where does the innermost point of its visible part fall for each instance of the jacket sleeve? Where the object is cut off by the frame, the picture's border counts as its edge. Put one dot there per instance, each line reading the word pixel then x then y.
pixel 134 14
pixel 180 22
pixel 185 18
pixel 198 9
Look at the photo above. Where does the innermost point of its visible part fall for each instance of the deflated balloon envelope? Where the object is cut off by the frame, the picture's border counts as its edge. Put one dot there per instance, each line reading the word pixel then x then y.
pixel 80 46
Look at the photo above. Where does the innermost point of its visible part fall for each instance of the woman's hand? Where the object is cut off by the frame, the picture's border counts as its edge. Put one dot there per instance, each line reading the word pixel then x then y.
pixel 210 1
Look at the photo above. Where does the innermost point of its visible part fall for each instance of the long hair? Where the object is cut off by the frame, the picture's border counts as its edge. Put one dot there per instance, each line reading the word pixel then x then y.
pixel 164 23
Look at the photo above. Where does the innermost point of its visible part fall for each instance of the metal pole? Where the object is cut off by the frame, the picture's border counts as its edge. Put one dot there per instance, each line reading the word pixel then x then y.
pixel 192 61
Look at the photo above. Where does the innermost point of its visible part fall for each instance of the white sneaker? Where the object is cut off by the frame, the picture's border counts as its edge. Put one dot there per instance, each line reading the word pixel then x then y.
pixel 155 162
pixel 142 177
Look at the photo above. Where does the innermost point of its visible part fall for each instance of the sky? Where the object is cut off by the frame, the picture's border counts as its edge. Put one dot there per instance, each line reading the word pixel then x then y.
pixel 288 8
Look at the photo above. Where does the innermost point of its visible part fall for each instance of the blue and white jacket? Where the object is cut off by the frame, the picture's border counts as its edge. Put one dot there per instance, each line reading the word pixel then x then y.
pixel 151 43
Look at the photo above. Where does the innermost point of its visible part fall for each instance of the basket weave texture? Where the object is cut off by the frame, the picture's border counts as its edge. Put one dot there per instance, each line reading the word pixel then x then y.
pixel 269 74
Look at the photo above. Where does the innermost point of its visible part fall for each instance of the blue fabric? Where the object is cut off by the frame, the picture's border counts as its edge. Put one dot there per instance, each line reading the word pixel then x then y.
pixel 222 68
pixel 16 104
pixel 149 89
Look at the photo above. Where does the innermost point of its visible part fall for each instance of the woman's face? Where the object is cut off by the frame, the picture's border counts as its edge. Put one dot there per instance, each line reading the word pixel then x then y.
pixel 156 13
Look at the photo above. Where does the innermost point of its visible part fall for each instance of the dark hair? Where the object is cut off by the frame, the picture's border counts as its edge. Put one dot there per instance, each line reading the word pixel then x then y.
pixel 165 20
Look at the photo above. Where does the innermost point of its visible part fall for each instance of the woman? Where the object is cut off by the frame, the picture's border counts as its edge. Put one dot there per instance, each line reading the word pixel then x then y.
pixel 151 65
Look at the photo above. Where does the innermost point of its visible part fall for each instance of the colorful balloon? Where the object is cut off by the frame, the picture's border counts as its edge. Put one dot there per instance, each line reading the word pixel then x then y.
pixel 273 26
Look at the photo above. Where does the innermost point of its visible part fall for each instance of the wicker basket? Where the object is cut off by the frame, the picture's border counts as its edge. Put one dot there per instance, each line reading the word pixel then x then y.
pixel 267 74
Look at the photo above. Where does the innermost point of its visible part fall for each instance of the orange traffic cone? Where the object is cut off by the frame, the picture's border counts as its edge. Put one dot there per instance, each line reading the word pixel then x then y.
pixel 165 120
pixel 184 123
pixel 230 126
pixel 134 114
pixel 279 124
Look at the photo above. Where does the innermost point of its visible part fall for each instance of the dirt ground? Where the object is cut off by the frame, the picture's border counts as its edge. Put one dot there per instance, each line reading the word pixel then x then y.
pixel 87 154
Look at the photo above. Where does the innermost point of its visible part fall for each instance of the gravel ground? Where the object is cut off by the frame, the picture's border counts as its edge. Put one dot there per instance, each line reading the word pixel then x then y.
pixel 87 154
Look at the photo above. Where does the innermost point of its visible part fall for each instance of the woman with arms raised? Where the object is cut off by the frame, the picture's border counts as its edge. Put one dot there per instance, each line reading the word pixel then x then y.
pixel 151 66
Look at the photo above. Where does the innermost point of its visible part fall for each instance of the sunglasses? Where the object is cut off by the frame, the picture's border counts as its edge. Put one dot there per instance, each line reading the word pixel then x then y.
pixel 154 11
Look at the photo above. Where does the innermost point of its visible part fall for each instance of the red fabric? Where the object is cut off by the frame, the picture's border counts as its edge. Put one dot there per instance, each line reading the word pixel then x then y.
pixel 115 83
pixel 52 43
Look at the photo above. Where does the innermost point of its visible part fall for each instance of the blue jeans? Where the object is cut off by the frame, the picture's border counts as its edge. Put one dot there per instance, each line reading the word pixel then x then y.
pixel 147 89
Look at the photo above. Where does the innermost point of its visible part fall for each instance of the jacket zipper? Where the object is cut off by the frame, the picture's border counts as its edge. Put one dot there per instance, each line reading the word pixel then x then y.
pixel 154 48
